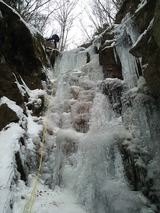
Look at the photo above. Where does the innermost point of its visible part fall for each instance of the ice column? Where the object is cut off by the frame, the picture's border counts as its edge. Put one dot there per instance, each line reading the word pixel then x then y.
pixel 125 38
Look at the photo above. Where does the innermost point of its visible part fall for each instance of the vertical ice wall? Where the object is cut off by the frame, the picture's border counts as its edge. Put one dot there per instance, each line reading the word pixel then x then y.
pixel 83 154
pixel 72 60
pixel 139 109
pixel 141 117
pixel 125 37
pixel 86 134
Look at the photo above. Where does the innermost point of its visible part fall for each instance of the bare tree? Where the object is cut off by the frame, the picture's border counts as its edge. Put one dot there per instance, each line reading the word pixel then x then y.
pixel 65 15
pixel 32 11
pixel 101 13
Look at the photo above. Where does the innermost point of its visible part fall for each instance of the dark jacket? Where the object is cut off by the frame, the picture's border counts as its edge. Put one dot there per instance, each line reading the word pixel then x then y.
pixel 54 37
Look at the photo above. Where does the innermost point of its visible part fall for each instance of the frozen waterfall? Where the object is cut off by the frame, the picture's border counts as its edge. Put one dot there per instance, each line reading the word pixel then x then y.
pixel 101 145
pixel 82 150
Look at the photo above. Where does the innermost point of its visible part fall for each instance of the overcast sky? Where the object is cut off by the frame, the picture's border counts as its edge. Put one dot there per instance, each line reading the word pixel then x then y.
pixel 76 34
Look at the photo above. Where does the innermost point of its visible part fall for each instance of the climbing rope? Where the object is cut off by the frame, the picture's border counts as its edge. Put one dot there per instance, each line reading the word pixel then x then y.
pixel 29 205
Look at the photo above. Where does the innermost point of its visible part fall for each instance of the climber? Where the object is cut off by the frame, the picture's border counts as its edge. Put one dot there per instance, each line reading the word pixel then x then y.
pixel 54 37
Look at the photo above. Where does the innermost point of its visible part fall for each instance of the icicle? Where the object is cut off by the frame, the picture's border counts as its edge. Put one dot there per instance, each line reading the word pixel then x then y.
pixel 141 5
pixel 126 36
pixel 115 55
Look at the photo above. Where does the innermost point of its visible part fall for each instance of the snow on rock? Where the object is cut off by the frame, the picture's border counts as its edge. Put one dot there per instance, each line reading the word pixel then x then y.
pixel 9 145
pixel 144 33
pixel 12 105
pixel 141 5
pixel 35 99
pixel 32 29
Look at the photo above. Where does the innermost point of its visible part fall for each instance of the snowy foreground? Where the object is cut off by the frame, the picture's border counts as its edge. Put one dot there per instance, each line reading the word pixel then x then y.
pixel 47 200
pixel 82 170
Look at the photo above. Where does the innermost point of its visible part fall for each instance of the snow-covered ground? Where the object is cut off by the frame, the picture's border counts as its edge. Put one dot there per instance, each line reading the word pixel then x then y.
pixel 46 200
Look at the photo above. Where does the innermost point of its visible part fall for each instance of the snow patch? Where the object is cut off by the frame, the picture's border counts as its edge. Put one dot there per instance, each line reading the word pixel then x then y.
pixel 144 33
pixel 9 145
pixel 12 105
pixel 46 200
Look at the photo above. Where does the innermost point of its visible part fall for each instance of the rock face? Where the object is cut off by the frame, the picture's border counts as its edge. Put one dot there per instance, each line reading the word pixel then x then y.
pixel 136 38
pixel 8 87
pixel 146 22
pixel 141 38
pixel 108 57
pixel 7 116
pixel 21 49
pixel 156 30
pixel 52 54
pixel 22 53
pixel 127 7
pixel 111 68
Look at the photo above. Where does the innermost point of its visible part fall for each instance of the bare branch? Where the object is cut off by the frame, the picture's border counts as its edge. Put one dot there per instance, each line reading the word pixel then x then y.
pixel 65 17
